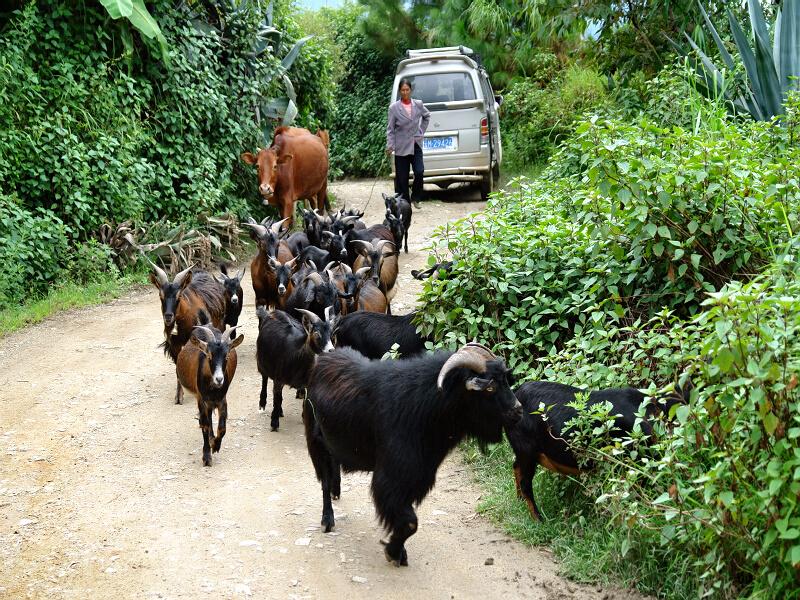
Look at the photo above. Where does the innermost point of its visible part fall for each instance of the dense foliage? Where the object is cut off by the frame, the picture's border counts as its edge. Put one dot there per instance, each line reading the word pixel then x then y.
pixel 539 112
pixel 648 256
pixel 97 128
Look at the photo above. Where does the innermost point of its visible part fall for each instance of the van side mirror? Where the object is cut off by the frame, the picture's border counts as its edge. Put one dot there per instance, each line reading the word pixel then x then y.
pixel 498 99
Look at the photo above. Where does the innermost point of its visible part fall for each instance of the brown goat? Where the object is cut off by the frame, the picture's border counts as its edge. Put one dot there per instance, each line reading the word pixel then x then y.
pixel 381 256
pixel 270 245
pixel 205 367
pixel 357 291
pixel 182 301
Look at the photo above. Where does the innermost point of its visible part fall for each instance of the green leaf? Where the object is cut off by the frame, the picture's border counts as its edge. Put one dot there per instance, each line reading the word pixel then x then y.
pixel 719 255
pixel 658 249
pixel 118 8
pixel 770 86
pixel 787 45
pixel 724 360
pixel 696 260
pixel 770 424
pixel 749 60
pixel 663 231
pixel 290 57
pixel 142 20
pixel 726 498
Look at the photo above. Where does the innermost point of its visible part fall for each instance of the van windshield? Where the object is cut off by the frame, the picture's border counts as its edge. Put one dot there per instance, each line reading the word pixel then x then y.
pixel 441 87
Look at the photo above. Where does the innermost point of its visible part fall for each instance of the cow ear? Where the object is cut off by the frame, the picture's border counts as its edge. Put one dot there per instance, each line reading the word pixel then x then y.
pixel 249 158
pixel 285 158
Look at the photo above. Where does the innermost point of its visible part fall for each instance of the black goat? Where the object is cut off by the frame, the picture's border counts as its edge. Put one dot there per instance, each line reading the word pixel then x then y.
pixel 540 439
pixel 438 271
pixel 234 295
pixel 395 225
pixel 400 208
pixel 182 301
pixel 315 293
pixel 373 334
pixel 286 350
pixel 297 241
pixel 206 366
pixel 400 419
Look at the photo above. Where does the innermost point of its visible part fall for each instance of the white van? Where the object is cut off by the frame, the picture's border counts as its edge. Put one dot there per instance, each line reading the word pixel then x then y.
pixel 463 138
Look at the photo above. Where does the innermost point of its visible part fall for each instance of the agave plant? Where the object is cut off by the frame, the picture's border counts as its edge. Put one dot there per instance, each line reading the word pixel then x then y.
pixel 771 73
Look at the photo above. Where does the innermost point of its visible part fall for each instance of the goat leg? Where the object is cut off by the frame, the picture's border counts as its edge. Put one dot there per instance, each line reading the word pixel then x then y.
pixel 523 478
pixel 223 416
pixel 179 393
pixel 401 529
pixel 262 399
pixel 323 463
pixel 205 426
pixel 277 405
pixel 336 479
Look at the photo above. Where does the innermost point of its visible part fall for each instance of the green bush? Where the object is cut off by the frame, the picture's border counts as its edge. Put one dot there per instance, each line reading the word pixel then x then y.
pixel 654 218
pixel 33 250
pixel 540 112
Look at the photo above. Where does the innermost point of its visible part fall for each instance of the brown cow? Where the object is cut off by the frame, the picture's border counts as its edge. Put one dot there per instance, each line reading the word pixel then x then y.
pixel 294 168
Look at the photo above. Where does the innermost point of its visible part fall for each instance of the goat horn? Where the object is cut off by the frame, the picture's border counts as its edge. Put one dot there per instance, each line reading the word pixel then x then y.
pixel 160 274
pixel 229 335
pixel 315 277
pixel 260 230
pixel 179 277
pixel 346 268
pixel 276 227
pixel 204 333
pixel 310 315
pixel 363 271
pixel 473 356
pixel 349 218
pixel 379 246
pixel 331 265
pixel 328 313
pixel 365 246
pixel 240 274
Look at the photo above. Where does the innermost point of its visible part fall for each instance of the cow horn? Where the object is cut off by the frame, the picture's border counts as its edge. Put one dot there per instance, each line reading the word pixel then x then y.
pixel 161 276
pixel 276 227
pixel 310 315
pixel 204 334
pixel 473 356
pixel 179 277
pixel 260 230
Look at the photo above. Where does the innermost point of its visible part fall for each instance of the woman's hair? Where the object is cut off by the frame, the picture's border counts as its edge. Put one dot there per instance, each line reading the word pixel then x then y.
pixel 405 81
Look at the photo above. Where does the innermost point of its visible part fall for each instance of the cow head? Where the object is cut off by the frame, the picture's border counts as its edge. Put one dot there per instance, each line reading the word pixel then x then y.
pixel 268 162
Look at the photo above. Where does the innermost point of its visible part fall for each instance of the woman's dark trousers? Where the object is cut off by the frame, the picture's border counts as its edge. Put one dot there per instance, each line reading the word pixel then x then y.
pixel 401 167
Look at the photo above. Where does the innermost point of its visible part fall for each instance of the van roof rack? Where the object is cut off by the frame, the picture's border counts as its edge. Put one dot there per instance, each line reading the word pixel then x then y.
pixel 428 52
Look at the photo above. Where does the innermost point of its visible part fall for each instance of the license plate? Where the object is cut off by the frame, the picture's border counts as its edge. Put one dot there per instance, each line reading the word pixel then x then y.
pixel 440 144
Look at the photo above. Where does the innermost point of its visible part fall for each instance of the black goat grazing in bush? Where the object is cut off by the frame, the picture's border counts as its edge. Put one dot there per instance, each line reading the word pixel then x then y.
pixel 286 350
pixel 374 334
pixel 191 292
pixel 401 209
pixel 400 419
pixel 539 439
pixel 206 366
pixel 234 295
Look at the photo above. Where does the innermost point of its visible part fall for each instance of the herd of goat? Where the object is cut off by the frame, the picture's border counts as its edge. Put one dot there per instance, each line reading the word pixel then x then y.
pixel 323 300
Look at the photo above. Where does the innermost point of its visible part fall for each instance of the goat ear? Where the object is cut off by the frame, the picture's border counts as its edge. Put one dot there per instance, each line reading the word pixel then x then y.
pixel 477 384
pixel 155 282
pixel 239 339
pixel 202 345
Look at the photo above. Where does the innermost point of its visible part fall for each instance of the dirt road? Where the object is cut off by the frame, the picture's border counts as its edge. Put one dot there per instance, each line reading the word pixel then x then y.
pixel 103 494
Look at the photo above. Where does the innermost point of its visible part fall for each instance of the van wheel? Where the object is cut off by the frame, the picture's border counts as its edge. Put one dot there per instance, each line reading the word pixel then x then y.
pixel 487 184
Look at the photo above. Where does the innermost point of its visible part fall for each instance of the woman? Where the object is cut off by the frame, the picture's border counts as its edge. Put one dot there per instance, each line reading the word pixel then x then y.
pixel 408 120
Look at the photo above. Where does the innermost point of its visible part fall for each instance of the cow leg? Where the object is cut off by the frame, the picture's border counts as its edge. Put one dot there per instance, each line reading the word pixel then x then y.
pixel 523 478
pixel 223 417
pixel 322 198
pixel 179 393
pixel 277 405
pixel 287 211
pixel 208 432
pixel 323 464
pixel 262 399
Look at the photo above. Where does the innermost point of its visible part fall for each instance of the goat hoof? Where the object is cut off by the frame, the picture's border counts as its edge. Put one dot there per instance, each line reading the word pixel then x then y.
pixel 328 523
pixel 274 426
pixel 207 460
pixel 398 560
